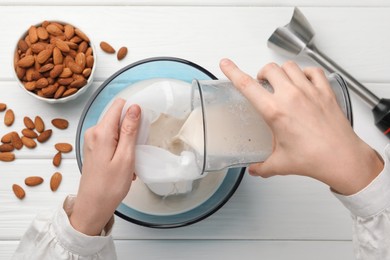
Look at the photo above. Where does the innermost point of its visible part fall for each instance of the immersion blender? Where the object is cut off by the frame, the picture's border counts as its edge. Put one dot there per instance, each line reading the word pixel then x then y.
pixel 296 38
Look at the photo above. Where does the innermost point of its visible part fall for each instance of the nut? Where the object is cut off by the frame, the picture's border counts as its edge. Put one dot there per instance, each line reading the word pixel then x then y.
pixel 28 142
pixel 39 124
pixel 6 148
pixel 121 53
pixel 9 117
pixel 19 192
pixel 16 141
pixel 33 180
pixel 55 181
pixel 57 159
pixel 63 147
pixel 7 157
pixel 60 123
pixel 28 123
pixel 44 136
pixel 106 47
pixel 3 107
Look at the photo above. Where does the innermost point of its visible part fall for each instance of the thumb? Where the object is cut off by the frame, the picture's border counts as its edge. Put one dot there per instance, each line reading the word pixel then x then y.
pixel 264 169
pixel 128 134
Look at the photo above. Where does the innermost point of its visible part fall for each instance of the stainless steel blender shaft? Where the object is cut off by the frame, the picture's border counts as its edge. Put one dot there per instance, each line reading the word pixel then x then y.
pixel 296 38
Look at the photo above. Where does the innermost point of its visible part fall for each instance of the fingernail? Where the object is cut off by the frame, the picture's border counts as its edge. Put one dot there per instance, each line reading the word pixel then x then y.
pixel 134 112
pixel 225 62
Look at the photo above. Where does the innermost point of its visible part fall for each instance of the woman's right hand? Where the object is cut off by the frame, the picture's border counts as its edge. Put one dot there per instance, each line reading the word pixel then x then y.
pixel 312 137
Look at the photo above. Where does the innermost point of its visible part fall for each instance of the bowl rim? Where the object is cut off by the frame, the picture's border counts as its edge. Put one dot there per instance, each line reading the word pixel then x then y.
pixel 78 148
pixel 53 100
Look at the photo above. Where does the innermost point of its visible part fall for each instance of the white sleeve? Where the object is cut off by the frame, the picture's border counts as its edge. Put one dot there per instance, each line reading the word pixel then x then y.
pixel 370 209
pixel 51 236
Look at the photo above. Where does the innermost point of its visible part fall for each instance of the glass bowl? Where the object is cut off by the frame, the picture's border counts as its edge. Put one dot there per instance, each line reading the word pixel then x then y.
pixel 141 206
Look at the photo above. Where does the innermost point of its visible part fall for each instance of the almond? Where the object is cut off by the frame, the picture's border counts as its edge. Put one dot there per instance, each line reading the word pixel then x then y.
pixel 90 61
pixel 26 62
pixel 87 72
pixel 56 71
pixel 60 123
pixel 66 73
pixel 106 47
pixel 30 85
pixel 81 34
pixel 6 138
pixel 60 44
pixel 60 91
pixel 22 45
pixel 122 53
pixel 68 31
pixel 38 47
pixel 69 92
pixel 43 56
pixel 72 45
pixel 44 136
pixel 28 142
pixel 9 117
pixel 39 124
pixel 57 159
pixel 55 181
pixel 7 157
pixel 83 47
pixel 75 68
pixel 42 33
pixel 50 90
pixel 78 83
pixel 65 81
pixel 6 148
pixel 3 107
pixel 54 30
pixel 33 34
pixel 46 67
pixel 80 60
pixel 28 123
pixel 63 147
pixel 16 141
pixel 57 56
pixel 20 72
pixel 29 133
pixel 42 83
pixel 19 192
pixel 33 180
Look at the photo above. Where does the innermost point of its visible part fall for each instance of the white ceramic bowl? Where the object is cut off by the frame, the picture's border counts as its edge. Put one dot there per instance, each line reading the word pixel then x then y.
pixel 63 99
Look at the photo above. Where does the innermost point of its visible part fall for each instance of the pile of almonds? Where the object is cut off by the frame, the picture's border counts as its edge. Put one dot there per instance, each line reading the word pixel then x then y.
pixel 54 60
pixel 33 131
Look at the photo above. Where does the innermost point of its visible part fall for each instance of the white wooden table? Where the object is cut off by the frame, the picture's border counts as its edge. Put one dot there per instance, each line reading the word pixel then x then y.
pixel 276 218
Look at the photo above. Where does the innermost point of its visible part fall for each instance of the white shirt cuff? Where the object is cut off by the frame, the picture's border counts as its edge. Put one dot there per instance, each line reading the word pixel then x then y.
pixel 374 198
pixel 74 240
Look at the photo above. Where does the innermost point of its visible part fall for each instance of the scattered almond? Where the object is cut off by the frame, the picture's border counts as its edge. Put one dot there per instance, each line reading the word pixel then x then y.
pixel 6 148
pixel 19 192
pixel 33 180
pixel 39 124
pixel 28 123
pixel 29 133
pixel 9 117
pixel 57 159
pixel 122 53
pixel 6 138
pixel 16 141
pixel 3 107
pixel 63 147
pixel 44 136
pixel 7 156
pixel 28 142
pixel 106 47
pixel 55 181
pixel 60 123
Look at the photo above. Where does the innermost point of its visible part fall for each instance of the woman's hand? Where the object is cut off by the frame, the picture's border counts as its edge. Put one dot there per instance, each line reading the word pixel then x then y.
pixel 108 168
pixel 312 137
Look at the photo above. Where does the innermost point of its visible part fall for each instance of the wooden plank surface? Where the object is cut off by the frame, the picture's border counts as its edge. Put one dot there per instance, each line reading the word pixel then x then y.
pixel 277 218
pixel 220 249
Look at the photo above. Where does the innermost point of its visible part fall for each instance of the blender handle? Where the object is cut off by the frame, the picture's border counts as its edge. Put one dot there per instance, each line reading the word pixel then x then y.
pixel 382 116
